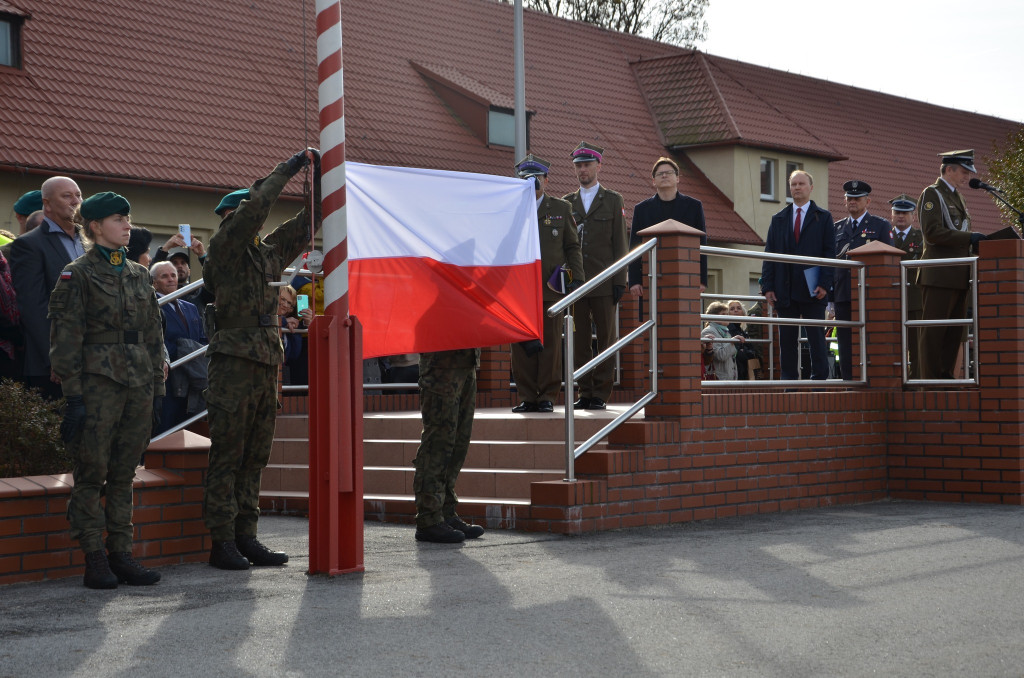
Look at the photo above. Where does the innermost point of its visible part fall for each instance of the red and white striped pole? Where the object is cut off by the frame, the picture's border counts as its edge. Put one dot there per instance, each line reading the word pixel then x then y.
pixel 335 346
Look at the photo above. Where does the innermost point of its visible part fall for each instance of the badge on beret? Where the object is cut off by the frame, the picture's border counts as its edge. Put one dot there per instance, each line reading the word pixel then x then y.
pixel 116 258
pixel 928 206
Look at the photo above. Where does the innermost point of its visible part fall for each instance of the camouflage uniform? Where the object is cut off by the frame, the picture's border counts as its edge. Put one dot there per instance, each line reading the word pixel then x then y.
pixel 245 352
pixel 447 402
pixel 106 345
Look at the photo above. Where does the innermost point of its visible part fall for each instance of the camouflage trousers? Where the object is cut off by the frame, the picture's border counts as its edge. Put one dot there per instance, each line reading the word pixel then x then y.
pixel 242 401
pixel 447 403
pixel 118 420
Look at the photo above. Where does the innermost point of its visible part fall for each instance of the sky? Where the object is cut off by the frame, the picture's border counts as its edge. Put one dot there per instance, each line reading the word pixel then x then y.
pixel 962 54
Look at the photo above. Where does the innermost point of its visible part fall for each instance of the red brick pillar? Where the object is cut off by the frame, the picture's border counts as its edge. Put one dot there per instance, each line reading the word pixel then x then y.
pixel 492 381
pixel 882 303
pixel 679 310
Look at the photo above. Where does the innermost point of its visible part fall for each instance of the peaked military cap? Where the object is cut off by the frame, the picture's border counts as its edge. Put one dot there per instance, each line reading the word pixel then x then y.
pixel 531 166
pixel 856 189
pixel 231 201
pixel 963 158
pixel 29 203
pixel 586 152
pixel 903 203
pixel 102 205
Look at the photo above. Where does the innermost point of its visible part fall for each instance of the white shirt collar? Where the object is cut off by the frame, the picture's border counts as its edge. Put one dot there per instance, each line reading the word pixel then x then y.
pixel 951 186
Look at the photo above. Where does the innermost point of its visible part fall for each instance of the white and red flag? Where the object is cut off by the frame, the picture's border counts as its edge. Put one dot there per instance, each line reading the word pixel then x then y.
pixel 441 260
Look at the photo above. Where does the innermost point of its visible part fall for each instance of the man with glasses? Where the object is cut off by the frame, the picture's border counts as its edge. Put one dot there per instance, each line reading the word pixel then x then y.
pixel 668 203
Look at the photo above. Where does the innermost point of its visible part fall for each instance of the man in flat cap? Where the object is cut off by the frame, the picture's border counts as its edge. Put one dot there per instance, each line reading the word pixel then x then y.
pixel 245 352
pixel 26 205
pixel 601 224
pixel 538 376
pixel 946 227
pixel 908 239
pixel 855 230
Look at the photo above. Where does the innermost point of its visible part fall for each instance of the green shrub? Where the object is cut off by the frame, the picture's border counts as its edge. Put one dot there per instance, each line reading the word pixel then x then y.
pixel 30 443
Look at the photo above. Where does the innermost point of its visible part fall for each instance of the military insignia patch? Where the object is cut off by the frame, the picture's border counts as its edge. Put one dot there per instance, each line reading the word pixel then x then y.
pixel 116 258
pixel 547 222
pixel 65 275
pixel 256 241
pixel 554 232
pixel 928 206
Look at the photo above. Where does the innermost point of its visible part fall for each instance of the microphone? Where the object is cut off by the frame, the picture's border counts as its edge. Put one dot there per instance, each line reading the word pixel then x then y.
pixel 978 183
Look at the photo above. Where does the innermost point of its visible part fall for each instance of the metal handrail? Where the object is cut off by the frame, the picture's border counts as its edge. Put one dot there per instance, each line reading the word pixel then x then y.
pixel 570 376
pixel 952 322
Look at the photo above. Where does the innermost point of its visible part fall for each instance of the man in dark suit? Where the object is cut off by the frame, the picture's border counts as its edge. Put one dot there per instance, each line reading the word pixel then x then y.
pixel 538 375
pixel 37 258
pixel 852 232
pixel 181 321
pixel 909 239
pixel 946 226
pixel 796 290
pixel 601 223
pixel 669 203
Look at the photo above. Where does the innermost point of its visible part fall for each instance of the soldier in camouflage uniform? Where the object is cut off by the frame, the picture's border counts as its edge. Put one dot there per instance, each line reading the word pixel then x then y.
pixel 106 347
pixel 245 353
pixel 447 403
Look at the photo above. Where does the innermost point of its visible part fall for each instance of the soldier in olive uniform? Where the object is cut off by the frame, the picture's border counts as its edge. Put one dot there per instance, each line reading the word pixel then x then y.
pixel 447 404
pixel 245 351
pixel 908 239
pixel 601 223
pixel 106 347
pixel 946 227
pixel 538 376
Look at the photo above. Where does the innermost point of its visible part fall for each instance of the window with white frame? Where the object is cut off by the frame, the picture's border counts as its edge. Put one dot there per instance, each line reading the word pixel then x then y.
pixel 769 171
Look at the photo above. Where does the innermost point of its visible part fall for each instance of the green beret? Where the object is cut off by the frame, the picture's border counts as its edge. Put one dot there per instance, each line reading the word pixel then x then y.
pixel 29 203
pixel 231 200
pixel 102 205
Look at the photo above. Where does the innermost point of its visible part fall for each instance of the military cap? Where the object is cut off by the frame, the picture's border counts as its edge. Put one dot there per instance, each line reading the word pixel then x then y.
pixel 231 200
pixel 903 203
pixel 963 158
pixel 532 166
pixel 586 152
pixel 178 252
pixel 138 242
pixel 29 203
pixel 102 205
pixel 856 189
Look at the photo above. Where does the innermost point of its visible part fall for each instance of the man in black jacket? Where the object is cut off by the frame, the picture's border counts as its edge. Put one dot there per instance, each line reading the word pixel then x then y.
pixel 795 290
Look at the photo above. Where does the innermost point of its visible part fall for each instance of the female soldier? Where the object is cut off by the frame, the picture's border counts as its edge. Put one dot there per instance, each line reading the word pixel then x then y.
pixel 106 347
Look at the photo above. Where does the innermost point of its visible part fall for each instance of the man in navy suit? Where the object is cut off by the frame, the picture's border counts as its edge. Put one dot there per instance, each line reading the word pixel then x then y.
pixel 37 258
pixel 795 290
pixel 669 203
pixel 181 319
pixel 852 232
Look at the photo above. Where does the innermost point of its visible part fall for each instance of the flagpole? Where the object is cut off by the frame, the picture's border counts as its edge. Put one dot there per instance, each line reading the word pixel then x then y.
pixel 335 389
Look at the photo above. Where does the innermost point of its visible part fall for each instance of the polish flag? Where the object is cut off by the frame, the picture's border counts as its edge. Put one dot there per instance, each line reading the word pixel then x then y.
pixel 441 260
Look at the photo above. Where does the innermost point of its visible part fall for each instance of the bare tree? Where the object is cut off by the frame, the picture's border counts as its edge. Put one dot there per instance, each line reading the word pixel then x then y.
pixel 680 22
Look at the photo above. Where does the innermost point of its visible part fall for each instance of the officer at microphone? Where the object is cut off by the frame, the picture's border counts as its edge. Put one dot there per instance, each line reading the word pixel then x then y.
pixel 946 227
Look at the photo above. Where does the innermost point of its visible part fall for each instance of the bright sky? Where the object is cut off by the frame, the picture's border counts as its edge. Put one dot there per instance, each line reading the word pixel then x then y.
pixel 965 54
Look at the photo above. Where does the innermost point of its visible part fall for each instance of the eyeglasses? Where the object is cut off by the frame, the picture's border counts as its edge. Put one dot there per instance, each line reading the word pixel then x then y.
pixel 662 175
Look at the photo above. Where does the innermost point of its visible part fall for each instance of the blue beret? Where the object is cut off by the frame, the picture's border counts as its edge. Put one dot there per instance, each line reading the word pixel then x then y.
pixel 231 200
pixel 102 205
pixel 29 203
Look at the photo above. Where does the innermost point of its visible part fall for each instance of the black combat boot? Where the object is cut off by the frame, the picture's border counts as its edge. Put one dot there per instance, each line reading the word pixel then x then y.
pixel 441 533
pixel 225 555
pixel 471 531
pixel 130 572
pixel 258 554
pixel 97 572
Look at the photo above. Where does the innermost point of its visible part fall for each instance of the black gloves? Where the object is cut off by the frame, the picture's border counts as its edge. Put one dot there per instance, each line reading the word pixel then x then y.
pixel 532 347
pixel 74 418
pixel 296 162
pixel 573 285
pixel 617 292
pixel 976 238
pixel 158 413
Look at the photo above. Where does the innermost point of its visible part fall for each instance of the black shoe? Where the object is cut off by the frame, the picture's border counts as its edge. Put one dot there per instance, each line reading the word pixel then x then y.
pixel 545 406
pixel 596 404
pixel 525 407
pixel 581 404
pixel 97 572
pixel 225 555
pixel 471 531
pixel 130 572
pixel 441 533
pixel 257 553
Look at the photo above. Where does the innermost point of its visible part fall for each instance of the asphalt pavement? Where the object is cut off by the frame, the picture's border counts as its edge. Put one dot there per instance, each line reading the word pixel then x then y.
pixel 882 589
